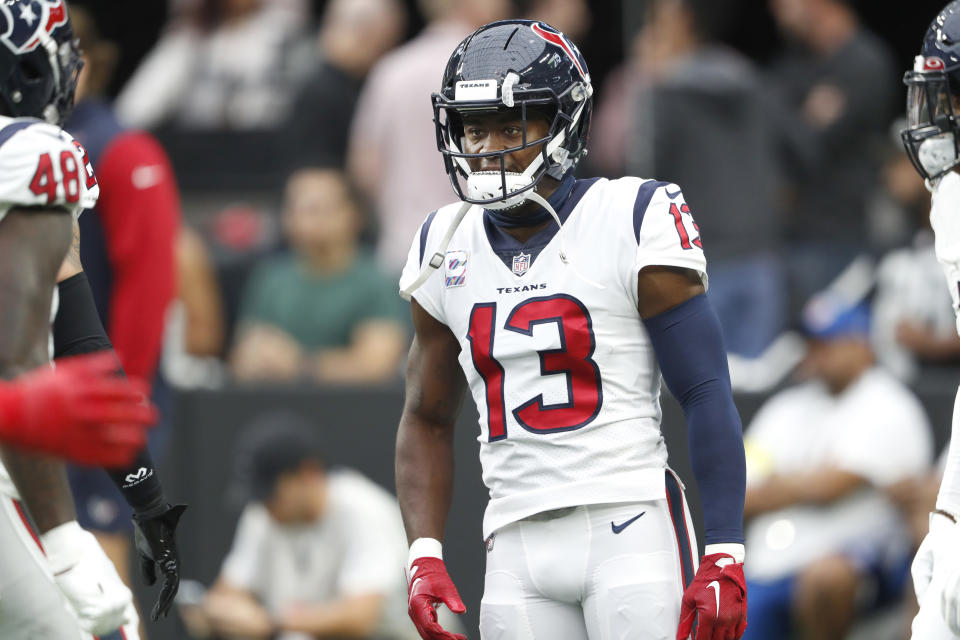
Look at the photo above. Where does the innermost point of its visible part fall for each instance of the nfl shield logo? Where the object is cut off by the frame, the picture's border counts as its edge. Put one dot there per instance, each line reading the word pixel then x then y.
pixel 521 263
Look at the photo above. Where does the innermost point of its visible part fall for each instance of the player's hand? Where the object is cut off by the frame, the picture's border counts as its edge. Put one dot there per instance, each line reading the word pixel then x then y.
pixel 429 586
pixel 85 575
pixel 921 570
pixel 939 556
pixel 154 534
pixel 80 410
pixel 714 606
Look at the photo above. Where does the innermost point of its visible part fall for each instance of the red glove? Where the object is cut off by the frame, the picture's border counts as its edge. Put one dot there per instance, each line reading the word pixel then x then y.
pixel 716 600
pixel 429 586
pixel 80 410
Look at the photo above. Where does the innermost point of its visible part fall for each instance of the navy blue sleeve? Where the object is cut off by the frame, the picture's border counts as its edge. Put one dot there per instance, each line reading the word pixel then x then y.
pixel 689 348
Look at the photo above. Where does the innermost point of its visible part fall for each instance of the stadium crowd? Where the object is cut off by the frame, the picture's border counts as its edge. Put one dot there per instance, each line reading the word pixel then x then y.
pixel 301 137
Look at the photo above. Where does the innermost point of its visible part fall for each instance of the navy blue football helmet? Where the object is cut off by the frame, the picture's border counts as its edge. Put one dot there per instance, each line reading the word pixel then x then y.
pixel 39 59
pixel 521 65
pixel 933 98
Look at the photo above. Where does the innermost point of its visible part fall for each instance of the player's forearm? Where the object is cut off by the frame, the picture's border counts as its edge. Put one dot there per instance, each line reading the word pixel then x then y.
pixel 346 617
pixel 820 487
pixel 43 487
pixel 424 472
pixel 77 330
pixel 689 348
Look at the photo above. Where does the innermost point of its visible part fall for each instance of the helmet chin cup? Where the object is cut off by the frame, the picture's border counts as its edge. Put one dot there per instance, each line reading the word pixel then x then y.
pixel 937 154
pixel 487 185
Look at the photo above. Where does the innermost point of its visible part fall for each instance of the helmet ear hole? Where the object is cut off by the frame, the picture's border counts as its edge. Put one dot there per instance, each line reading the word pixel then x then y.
pixel 30 71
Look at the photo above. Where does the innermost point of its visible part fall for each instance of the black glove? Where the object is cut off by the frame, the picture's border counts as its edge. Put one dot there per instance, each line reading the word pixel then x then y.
pixel 157 547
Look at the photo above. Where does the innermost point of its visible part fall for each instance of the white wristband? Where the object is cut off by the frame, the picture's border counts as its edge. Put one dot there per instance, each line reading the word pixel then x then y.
pixel 424 548
pixel 64 546
pixel 738 551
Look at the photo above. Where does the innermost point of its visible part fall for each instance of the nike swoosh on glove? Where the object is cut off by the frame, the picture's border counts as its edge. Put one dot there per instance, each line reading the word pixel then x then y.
pixel 430 586
pixel 87 578
pixel 714 606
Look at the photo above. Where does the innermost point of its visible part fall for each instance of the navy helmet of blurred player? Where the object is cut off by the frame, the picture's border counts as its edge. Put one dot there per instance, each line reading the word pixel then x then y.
pixel 493 70
pixel 38 66
pixel 932 139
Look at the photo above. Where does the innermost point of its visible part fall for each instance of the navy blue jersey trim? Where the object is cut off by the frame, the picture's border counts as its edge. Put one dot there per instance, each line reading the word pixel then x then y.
pixel 506 246
pixel 675 502
pixel 644 195
pixel 11 129
pixel 424 232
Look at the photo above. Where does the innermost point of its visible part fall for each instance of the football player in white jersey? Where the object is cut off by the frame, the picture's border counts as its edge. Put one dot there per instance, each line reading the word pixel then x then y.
pixel 932 141
pixel 69 588
pixel 559 302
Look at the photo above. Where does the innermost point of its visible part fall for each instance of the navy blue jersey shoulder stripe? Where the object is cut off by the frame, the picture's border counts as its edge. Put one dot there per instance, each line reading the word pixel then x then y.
pixel 8 131
pixel 644 195
pixel 675 504
pixel 424 232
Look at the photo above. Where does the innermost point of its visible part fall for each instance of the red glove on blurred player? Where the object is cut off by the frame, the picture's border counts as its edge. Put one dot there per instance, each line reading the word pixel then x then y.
pixel 429 585
pixel 716 600
pixel 80 410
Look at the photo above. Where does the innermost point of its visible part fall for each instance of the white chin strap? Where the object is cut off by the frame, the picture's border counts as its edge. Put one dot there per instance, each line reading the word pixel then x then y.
pixel 937 154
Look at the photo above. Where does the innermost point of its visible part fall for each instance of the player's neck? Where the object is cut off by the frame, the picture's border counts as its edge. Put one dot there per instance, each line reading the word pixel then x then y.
pixel 547 187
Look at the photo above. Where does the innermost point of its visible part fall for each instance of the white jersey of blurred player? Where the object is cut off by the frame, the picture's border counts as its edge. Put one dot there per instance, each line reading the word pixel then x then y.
pixel 567 385
pixel 41 165
pixel 937 582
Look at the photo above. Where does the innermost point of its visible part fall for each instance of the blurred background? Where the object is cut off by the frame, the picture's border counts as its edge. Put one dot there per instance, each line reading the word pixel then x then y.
pixel 295 158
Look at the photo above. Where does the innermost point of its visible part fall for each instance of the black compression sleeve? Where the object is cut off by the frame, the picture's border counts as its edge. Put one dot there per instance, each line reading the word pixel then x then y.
pixel 77 330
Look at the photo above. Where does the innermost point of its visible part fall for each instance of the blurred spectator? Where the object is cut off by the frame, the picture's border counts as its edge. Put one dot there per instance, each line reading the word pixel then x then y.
pixel 322 310
pixel 221 64
pixel 317 552
pixel 914 318
pixel 699 120
pixel 127 250
pixel 823 541
pixel 354 34
pixel 195 333
pixel 571 17
pixel 840 82
pixel 392 153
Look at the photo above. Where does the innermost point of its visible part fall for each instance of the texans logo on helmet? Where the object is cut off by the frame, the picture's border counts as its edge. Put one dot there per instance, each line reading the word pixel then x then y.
pixel 933 64
pixel 555 37
pixel 22 22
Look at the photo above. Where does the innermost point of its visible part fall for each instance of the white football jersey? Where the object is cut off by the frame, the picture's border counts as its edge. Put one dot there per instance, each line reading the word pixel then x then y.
pixel 555 353
pixel 41 165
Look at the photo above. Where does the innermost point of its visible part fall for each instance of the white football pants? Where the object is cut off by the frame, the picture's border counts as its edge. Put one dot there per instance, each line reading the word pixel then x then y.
pixel 31 604
pixel 594 572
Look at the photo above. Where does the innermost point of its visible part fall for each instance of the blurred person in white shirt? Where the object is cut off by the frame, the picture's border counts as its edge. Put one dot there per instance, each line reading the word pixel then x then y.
pixel 316 550
pixel 823 540
pixel 220 64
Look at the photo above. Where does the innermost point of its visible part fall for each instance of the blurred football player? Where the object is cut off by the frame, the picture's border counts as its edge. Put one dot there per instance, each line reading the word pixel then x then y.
pixel 563 301
pixel 933 142
pixel 68 584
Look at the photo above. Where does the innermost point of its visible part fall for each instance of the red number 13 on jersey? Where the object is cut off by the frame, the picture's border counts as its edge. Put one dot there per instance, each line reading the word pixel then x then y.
pixel 574 359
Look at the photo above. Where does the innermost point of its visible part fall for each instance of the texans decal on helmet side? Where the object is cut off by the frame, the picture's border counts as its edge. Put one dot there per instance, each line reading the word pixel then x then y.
pixel 557 38
pixel 22 22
